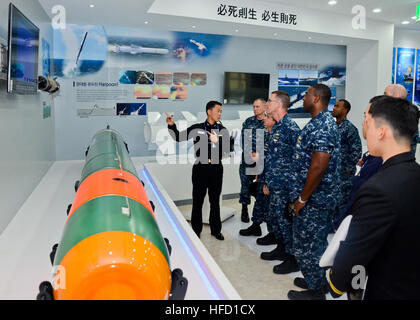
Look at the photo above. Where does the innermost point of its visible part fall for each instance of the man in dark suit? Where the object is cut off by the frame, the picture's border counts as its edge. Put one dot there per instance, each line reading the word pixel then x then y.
pixel 382 240
pixel 211 145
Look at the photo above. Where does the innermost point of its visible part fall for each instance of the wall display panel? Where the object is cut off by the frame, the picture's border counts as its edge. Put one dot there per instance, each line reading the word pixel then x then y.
pixel 417 85
pixel 405 69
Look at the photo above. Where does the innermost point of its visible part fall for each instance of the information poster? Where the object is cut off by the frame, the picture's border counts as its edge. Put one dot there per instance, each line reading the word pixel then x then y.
pixel 405 70
pixel 417 85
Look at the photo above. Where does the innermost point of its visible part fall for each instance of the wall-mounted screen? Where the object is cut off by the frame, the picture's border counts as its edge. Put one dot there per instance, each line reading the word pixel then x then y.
pixel 23 53
pixel 245 88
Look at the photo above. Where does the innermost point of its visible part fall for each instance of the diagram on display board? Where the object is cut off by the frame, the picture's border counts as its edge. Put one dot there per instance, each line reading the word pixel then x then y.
pixel 85 58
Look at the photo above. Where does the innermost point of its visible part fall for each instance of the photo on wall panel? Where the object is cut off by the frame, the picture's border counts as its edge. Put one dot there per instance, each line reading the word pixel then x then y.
pixel 179 93
pixel 288 78
pixel 163 78
pixel 128 77
pixel 308 77
pixel 145 77
pixel 79 50
pixel 332 76
pixel 296 94
pixel 198 79
pixel 162 92
pixel 131 109
pixel 143 91
pixel 181 78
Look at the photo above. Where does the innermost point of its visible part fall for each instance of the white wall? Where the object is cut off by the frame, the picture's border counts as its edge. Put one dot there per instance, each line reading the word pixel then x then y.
pixel 407 38
pixel 361 85
pixel 27 141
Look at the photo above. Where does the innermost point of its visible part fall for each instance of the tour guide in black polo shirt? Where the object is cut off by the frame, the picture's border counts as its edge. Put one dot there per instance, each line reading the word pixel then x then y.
pixel 211 144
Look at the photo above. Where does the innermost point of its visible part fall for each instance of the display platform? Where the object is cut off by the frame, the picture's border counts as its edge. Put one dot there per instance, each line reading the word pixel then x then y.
pixel 26 243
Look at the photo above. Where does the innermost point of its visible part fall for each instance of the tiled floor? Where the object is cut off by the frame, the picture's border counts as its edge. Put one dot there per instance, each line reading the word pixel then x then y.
pixel 239 258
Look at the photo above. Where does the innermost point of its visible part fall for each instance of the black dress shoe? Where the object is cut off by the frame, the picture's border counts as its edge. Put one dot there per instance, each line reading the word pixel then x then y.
pixel 301 283
pixel 218 236
pixel 277 254
pixel 253 230
pixel 288 266
pixel 267 240
pixel 306 295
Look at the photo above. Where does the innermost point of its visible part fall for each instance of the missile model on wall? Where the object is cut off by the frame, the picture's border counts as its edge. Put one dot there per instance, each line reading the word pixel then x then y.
pixel 111 246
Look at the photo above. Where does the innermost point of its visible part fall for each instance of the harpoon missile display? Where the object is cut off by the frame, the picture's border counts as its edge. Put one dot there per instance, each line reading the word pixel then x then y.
pixel 111 246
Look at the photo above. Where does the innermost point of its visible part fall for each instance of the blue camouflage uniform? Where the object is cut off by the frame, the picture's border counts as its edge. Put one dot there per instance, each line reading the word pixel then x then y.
pixel 351 152
pixel 278 171
pixel 260 210
pixel 248 143
pixel 310 228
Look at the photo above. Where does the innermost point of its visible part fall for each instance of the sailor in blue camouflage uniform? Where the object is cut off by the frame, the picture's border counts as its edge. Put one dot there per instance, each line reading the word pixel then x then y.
pixel 351 151
pixel 260 210
pixel 248 143
pixel 316 186
pixel 278 173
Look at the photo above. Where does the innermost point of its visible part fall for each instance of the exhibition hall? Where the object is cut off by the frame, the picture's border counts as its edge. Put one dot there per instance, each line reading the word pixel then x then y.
pixel 209 150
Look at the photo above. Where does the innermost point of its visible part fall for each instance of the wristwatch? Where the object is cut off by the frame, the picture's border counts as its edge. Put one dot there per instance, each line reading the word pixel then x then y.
pixel 301 201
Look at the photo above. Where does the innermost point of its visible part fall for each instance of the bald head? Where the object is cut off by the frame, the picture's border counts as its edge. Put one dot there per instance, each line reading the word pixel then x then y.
pixel 396 91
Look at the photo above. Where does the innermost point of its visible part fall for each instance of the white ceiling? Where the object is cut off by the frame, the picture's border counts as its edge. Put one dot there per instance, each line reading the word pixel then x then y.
pixel 133 13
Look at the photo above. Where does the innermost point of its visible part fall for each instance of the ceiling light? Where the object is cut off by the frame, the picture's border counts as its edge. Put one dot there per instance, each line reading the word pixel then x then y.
pixel 414 17
pixel 146 22
pixel 377 10
pixel 236 30
pixel 405 22
pixel 193 27
pixel 310 38
pixel 92 6
pixel 275 34
pixel 332 2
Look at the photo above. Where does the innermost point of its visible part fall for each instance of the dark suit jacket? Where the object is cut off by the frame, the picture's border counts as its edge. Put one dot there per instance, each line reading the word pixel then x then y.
pixel 384 234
